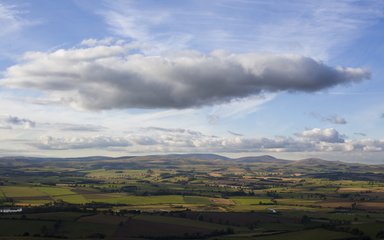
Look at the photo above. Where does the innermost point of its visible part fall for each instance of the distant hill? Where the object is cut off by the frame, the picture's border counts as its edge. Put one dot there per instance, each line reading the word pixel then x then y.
pixel 176 157
pixel 312 161
pixel 204 156
pixel 262 159
pixel 266 162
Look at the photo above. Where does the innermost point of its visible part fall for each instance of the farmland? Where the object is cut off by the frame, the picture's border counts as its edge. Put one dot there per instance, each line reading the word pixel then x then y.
pixel 196 196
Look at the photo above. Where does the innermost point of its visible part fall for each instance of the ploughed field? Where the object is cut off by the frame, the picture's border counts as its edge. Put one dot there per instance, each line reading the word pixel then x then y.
pixel 196 196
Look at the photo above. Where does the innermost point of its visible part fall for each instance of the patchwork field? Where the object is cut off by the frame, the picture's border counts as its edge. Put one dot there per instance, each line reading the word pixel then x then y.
pixel 190 197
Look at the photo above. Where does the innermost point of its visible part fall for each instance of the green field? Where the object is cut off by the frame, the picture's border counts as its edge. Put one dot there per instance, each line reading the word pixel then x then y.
pixel 251 200
pixel 172 197
pixel 21 191
pixel 55 191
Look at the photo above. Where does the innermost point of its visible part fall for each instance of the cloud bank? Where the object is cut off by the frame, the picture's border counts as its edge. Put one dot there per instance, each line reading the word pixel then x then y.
pixel 153 140
pixel 65 143
pixel 111 76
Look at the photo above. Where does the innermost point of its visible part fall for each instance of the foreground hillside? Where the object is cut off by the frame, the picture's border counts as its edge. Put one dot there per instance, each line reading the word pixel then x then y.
pixel 190 196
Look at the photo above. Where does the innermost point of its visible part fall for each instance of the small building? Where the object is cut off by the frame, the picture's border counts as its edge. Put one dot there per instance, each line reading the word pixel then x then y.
pixel 272 210
pixel 10 210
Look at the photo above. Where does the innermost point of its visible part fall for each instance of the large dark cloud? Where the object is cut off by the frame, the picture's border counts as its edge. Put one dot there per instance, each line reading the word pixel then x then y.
pixel 109 76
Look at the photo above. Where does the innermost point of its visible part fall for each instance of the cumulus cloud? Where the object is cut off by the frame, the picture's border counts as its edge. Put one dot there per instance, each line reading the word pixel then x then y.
pixel 25 123
pixel 329 135
pixel 65 143
pixel 110 76
pixel 276 144
pixel 177 142
pixel 184 140
pixel 366 145
pixel 314 140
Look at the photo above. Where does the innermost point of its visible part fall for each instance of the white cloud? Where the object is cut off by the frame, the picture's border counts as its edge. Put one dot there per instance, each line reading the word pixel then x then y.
pixel 151 140
pixel 109 76
pixel 66 143
pixel 329 135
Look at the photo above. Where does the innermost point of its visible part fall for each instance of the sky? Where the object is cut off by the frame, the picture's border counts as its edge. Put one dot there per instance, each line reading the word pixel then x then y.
pixel 291 79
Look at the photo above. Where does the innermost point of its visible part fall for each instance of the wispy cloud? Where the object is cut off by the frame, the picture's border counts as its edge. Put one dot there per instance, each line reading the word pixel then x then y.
pixel 144 25
pixel 238 108
pixel 79 127
pixel 10 19
pixel 14 18
pixel 235 133
pixel 125 19
pixel 360 134
pixel 335 119
pixel 316 28
pixel 305 27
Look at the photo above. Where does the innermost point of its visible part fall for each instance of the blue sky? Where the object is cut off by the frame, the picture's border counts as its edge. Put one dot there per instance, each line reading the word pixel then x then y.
pixel 292 79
